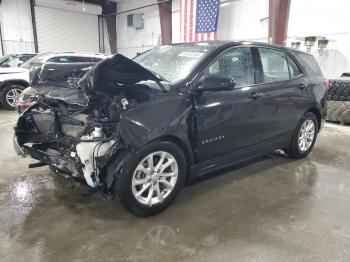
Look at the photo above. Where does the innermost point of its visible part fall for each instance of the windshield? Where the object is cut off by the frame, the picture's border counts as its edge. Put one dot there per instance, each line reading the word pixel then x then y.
pixel 34 61
pixel 4 58
pixel 173 62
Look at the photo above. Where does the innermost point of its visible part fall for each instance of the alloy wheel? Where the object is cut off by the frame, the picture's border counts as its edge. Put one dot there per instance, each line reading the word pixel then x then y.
pixel 154 178
pixel 12 96
pixel 306 135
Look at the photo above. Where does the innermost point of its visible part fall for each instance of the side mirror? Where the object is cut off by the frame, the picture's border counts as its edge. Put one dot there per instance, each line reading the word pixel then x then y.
pixel 216 83
pixel 19 63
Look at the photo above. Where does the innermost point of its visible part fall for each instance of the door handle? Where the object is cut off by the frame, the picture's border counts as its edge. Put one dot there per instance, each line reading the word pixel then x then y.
pixel 255 95
pixel 302 85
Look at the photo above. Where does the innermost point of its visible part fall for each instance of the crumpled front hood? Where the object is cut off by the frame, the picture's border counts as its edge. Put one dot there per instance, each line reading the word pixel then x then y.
pixel 82 80
pixel 12 70
pixel 114 72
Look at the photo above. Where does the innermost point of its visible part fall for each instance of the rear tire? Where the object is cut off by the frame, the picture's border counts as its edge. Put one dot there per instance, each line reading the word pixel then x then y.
pixel 304 137
pixel 140 185
pixel 10 94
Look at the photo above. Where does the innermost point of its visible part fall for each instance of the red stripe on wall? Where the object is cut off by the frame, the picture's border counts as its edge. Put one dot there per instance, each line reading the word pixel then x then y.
pixel 208 36
pixel 185 22
pixel 196 37
pixel 181 15
pixel 191 22
pixel 216 35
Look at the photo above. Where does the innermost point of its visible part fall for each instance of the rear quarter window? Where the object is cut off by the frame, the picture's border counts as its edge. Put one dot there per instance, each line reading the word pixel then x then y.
pixel 274 65
pixel 309 63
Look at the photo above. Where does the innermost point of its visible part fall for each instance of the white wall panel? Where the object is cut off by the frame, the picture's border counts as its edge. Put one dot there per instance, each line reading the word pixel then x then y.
pixel 61 30
pixel 71 5
pixel 16 26
pixel 131 40
pixel 323 18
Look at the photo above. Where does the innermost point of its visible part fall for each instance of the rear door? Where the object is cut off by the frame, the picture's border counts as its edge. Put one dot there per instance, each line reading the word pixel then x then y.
pixel 229 121
pixel 285 98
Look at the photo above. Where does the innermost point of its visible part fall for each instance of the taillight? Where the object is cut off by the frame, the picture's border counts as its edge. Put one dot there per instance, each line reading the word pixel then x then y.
pixel 326 84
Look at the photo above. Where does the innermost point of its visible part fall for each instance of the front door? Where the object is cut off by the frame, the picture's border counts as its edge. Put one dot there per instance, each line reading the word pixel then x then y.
pixel 228 121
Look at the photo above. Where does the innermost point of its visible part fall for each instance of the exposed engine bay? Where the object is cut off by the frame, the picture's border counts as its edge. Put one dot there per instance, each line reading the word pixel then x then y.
pixel 79 137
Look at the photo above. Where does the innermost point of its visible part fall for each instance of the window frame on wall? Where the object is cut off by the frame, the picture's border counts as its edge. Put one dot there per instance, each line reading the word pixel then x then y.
pixel 287 57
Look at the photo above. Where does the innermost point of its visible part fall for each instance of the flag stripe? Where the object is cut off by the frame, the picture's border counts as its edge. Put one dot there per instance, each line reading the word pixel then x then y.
pixel 185 21
pixel 181 29
pixel 191 21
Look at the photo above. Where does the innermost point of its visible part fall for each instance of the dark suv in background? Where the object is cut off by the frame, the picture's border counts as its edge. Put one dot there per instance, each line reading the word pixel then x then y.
pixel 141 128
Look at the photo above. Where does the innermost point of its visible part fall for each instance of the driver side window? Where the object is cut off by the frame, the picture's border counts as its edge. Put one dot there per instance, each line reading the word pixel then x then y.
pixel 236 63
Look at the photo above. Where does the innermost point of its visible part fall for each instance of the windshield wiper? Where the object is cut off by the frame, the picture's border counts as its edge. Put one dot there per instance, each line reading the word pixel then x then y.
pixel 160 78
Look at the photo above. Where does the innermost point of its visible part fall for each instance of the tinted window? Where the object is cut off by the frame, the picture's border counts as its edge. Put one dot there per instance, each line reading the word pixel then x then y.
pixel 72 59
pixel 60 59
pixel 12 62
pixel 274 63
pixel 293 69
pixel 36 60
pixel 26 57
pixel 4 58
pixel 308 62
pixel 236 63
pixel 96 59
pixel 80 59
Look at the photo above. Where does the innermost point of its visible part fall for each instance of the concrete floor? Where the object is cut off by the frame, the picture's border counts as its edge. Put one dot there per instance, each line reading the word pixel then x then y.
pixel 274 209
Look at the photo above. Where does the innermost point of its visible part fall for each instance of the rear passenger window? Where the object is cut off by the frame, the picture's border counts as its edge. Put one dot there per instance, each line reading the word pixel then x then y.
pixel 274 63
pixel 293 69
pixel 96 59
pixel 60 59
pixel 80 59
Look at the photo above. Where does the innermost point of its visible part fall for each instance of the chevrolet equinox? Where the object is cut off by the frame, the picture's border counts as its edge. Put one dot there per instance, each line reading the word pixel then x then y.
pixel 140 129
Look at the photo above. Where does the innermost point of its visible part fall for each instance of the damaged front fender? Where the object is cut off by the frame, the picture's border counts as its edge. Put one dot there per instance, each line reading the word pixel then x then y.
pixel 96 136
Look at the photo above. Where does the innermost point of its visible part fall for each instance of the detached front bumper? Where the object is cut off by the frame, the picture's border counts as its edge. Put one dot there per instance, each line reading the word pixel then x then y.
pixel 67 166
pixel 19 151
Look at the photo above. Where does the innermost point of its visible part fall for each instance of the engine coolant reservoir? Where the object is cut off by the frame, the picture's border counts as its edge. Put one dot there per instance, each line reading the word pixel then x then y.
pixel 88 152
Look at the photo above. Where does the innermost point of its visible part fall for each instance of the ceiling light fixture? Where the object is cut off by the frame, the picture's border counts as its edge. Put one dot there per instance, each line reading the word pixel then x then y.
pixel 309 42
pixel 295 45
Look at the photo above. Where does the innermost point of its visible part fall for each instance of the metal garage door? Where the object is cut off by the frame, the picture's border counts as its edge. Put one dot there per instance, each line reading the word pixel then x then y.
pixel 61 30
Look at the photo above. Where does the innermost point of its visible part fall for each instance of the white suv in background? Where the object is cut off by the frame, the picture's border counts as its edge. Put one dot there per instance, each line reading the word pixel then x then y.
pixel 13 82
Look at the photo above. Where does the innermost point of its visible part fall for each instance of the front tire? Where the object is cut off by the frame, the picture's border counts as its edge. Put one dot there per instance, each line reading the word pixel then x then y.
pixel 304 137
pixel 151 180
pixel 10 95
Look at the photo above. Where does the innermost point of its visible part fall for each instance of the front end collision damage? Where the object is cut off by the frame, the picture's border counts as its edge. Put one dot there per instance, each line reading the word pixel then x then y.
pixel 94 137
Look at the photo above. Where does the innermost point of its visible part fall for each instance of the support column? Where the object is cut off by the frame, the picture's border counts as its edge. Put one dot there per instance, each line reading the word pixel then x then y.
pixel 278 20
pixel 109 10
pixel 165 21
pixel 35 36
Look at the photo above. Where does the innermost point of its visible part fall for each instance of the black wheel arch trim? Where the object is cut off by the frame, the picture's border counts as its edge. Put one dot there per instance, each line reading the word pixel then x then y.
pixel 13 81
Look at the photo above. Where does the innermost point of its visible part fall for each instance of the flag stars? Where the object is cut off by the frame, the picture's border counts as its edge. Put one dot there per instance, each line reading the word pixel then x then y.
pixel 207 15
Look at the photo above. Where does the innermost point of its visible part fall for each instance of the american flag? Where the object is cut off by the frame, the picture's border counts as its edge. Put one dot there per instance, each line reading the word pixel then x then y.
pixel 199 20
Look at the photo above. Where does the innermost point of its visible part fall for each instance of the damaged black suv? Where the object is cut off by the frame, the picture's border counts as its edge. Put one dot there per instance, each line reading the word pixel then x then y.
pixel 140 129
